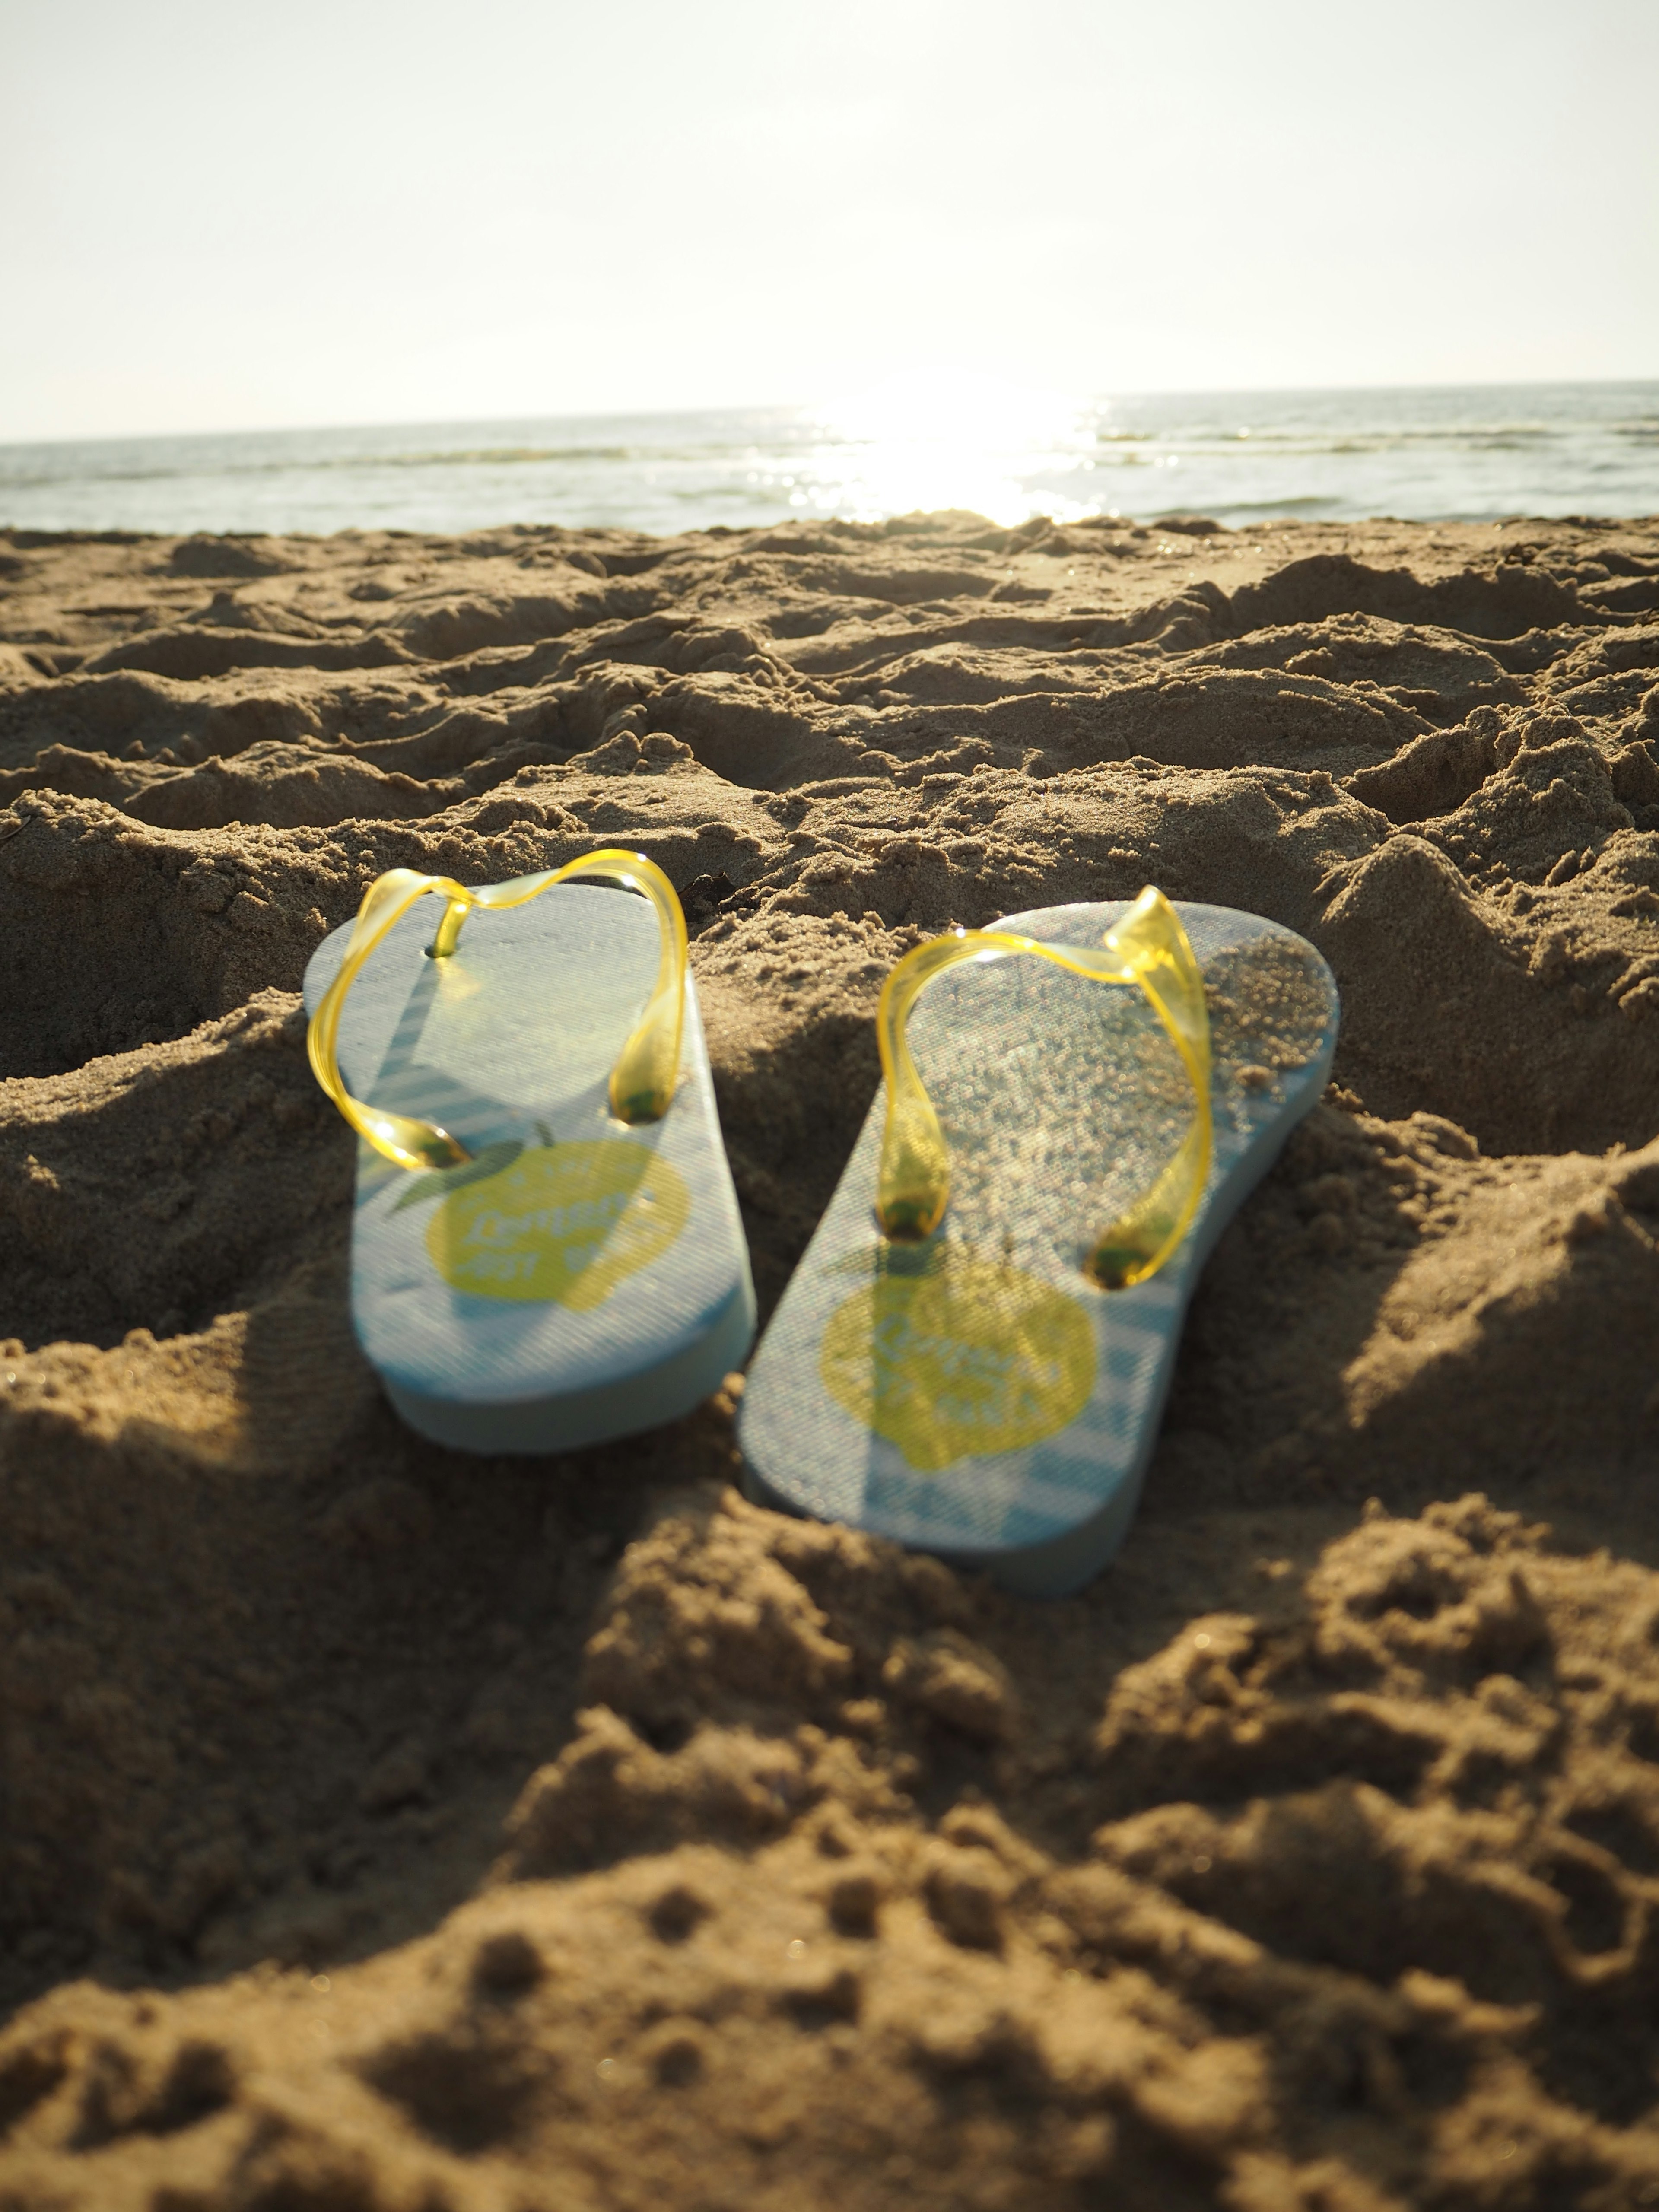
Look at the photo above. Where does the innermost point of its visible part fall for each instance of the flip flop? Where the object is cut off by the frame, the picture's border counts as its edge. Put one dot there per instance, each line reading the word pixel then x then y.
pixel 974 1354
pixel 546 1249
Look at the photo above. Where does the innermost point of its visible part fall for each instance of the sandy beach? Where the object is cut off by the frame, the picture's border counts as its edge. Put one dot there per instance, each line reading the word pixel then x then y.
pixel 383 1830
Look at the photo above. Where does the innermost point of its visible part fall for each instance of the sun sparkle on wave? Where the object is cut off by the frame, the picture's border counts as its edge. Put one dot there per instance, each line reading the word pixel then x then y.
pixel 929 438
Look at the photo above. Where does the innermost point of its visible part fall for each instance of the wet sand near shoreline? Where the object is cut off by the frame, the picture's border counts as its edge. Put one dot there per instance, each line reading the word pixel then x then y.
pixel 384 1830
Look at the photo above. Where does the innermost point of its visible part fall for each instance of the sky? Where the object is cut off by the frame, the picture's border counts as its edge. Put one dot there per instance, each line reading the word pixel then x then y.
pixel 220 217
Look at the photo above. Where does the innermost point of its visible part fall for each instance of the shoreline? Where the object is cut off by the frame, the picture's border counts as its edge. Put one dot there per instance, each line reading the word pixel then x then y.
pixel 1478 451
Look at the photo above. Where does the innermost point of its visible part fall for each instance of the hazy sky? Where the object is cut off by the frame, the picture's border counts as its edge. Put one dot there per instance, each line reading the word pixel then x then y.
pixel 336 211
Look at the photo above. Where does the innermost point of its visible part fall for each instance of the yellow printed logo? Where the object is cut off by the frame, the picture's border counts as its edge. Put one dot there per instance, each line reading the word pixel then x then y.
pixel 968 1358
pixel 563 1222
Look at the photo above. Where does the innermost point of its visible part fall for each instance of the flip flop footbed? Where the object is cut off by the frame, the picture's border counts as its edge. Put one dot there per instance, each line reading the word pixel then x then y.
pixel 977 1394
pixel 576 1277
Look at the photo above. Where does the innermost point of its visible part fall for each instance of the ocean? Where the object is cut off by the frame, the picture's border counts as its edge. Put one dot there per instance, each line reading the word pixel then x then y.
pixel 1470 452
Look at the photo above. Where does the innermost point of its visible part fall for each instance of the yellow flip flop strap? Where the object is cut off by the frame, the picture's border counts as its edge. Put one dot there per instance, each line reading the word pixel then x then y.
pixel 642 1080
pixel 1149 948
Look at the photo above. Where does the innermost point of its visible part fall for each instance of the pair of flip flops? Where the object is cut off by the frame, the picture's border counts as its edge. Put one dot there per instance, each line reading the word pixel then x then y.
pixel 973 1354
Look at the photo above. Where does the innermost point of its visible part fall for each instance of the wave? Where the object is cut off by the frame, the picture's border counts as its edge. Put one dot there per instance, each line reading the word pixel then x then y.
pixel 1476 453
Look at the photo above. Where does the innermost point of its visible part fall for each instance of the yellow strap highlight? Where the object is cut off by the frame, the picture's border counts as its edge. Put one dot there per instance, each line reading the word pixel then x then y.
pixel 642 1080
pixel 1148 948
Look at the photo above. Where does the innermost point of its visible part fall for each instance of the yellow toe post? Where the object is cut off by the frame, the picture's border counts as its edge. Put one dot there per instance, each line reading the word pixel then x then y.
pixel 1148 948
pixel 642 1082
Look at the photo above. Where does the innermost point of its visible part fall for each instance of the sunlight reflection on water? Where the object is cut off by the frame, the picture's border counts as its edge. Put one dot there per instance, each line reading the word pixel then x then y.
pixel 918 442
pixel 915 441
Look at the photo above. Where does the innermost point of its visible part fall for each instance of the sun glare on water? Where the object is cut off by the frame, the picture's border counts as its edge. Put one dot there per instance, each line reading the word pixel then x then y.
pixel 923 439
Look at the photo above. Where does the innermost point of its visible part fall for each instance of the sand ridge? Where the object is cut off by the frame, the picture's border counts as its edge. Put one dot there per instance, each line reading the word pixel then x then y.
pixel 384 1828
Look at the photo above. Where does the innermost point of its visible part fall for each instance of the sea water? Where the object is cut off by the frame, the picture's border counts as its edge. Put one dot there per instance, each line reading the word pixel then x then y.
pixel 1472 452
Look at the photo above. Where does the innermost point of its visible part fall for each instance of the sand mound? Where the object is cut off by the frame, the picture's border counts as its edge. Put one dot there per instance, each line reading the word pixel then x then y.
pixel 386 1830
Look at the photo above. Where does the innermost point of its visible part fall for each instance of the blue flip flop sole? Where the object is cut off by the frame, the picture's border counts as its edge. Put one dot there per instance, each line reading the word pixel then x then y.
pixel 978 1396
pixel 578 1279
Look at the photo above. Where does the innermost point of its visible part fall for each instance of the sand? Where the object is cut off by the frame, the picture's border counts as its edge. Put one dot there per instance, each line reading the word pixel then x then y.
pixel 387 1831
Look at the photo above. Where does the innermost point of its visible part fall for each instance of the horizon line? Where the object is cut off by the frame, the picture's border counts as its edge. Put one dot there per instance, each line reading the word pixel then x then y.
pixel 807 406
